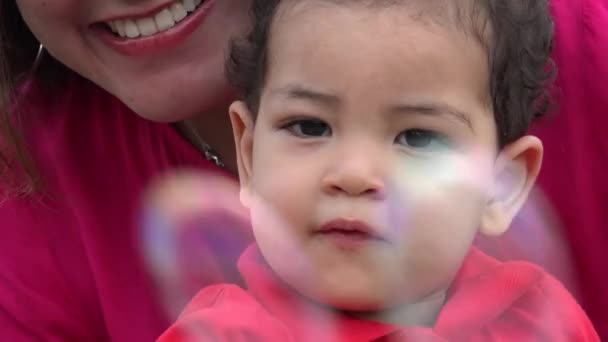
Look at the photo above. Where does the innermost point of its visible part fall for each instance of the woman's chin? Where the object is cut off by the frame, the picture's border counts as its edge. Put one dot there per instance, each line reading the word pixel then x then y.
pixel 159 104
pixel 164 110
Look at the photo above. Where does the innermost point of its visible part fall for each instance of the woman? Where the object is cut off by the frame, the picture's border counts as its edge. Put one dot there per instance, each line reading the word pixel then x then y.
pixel 85 129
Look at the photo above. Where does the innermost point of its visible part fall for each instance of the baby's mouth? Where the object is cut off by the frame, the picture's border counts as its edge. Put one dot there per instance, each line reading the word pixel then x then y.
pixel 161 21
pixel 349 234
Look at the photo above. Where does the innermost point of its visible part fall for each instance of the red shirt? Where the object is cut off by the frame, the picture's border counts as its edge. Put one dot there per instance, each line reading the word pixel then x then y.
pixel 488 301
pixel 70 261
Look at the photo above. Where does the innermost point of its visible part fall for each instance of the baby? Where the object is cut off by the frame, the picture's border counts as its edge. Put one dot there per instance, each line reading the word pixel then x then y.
pixel 375 140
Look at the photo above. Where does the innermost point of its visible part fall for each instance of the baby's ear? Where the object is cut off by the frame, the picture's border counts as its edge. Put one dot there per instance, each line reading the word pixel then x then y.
pixel 515 173
pixel 242 128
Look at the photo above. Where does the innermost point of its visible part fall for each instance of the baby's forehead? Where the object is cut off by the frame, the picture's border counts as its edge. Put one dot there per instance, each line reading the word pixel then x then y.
pixel 462 13
pixel 467 18
pixel 332 26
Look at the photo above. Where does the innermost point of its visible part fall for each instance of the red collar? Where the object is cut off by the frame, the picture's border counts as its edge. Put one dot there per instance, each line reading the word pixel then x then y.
pixel 477 297
pixel 302 316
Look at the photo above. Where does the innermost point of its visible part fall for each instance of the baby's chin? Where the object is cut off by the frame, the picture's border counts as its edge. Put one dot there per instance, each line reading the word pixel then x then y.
pixel 356 305
pixel 349 286
pixel 372 296
pixel 393 307
pixel 354 296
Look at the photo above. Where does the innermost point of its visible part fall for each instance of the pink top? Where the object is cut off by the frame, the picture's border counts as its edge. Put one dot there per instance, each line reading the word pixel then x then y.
pixel 70 267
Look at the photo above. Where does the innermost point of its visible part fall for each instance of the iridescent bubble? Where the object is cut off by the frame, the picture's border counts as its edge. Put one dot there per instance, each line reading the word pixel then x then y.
pixel 193 229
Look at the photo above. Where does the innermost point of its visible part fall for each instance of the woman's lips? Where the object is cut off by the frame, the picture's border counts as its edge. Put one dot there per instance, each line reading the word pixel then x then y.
pixel 158 42
pixel 349 234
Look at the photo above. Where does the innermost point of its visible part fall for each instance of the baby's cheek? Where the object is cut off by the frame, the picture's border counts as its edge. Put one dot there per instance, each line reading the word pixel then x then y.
pixel 440 218
pixel 436 212
pixel 428 177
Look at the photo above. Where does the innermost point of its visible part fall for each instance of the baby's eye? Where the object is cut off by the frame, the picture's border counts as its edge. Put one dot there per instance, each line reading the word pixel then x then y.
pixel 421 139
pixel 309 128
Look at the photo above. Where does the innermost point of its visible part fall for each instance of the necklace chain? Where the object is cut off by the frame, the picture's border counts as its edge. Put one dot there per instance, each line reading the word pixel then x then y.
pixel 200 144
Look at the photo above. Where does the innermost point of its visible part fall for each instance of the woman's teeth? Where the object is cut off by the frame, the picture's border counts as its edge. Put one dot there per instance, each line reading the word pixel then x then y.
pixel 161 21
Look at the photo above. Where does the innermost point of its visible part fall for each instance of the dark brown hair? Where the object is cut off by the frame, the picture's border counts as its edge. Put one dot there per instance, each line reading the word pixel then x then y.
pixel 18 51
pixel 517 34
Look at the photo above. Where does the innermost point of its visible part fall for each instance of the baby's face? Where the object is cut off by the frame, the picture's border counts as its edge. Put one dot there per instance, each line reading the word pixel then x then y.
pixel 372 154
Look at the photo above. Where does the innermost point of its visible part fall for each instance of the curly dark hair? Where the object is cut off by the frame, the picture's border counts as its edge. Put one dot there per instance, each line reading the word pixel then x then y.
pixel 517 35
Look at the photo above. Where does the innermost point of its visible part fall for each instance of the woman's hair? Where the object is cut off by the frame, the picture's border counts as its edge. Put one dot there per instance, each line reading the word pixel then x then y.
pixel 18 61
pixel 517 35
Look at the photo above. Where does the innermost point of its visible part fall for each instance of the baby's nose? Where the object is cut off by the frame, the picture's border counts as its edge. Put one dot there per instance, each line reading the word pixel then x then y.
pixel 355 175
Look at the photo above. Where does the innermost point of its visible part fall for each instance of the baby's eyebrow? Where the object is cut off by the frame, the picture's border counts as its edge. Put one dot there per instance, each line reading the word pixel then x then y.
pixel 333 101
pixel 433 109
pixel 300 92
